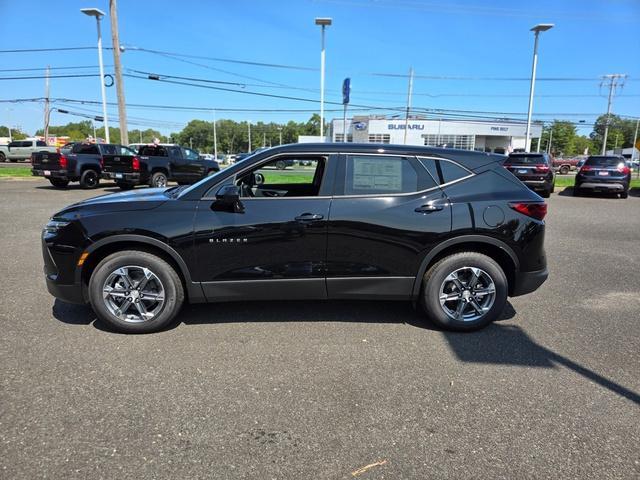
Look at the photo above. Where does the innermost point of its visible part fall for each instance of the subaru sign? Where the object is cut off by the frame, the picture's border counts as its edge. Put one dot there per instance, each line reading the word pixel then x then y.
pixel 360 126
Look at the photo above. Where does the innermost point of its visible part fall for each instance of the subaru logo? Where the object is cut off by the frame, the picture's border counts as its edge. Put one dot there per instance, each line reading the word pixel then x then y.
pixel 360 126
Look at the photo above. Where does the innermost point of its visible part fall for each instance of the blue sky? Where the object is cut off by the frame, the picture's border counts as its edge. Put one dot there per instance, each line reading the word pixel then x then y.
pixel 437 38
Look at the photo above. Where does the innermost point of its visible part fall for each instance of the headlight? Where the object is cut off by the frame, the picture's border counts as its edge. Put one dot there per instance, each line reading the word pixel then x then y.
pixel 53 226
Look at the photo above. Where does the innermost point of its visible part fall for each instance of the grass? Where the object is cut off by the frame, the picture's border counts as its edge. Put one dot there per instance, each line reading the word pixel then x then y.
pixel 569 181
pixel 15 172
pixel 271 177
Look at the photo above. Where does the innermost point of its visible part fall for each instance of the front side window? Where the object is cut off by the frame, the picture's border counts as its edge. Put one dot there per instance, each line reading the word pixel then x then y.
pixel 15 144
pixel 283 177
pixel 384 175
pixel 190 154
pixel 40 143
pixel 27 143
pixel 86 149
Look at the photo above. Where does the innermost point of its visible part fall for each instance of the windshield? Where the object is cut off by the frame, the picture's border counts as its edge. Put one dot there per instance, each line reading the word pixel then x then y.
pixel 604 161
pixel 529 159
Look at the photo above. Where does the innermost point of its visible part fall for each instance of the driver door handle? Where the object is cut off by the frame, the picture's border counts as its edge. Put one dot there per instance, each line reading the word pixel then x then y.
pixel 309 217
pixel 429 208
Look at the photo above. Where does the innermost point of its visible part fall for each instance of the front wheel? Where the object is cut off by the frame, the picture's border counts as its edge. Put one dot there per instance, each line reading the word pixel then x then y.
pixel 89 179
pixel 135 292
pixel 464 292
pixel 59 182
pixel 158 180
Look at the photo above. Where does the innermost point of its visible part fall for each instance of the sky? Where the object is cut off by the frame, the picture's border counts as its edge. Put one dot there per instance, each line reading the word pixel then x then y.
pixel 463 54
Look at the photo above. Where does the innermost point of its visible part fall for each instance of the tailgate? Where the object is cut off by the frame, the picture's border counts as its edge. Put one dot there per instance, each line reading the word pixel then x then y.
pixel 45 160
pixel 117 163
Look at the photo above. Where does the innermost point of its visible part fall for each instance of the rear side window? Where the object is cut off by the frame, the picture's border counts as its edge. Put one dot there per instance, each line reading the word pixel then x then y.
pixel 384 175
pixel 444 171
pixel 40 143
pixel 606 162
pixel 28 143
pixel 152 151
pixel 108 149
pixel 86 149
pixel 528 159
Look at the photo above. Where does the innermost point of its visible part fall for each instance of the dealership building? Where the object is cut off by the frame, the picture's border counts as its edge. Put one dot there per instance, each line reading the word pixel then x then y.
pixel 483 135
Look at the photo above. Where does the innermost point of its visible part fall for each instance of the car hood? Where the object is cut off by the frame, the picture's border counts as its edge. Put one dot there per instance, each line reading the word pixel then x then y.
pixel 143 199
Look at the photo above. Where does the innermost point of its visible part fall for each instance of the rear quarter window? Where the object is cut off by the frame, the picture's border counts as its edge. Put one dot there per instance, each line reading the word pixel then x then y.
pixel 444 171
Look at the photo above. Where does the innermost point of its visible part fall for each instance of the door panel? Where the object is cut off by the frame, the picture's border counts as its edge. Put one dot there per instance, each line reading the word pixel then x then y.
pixel 273 239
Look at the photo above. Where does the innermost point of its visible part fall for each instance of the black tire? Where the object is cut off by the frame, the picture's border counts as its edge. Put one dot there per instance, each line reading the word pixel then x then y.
pixel 546 193
pixel 59 182
pixel 564 169
pixel 126 186
pixel 211 172
pixel 170 281
pixel 89 179
pixel 624 194
pixel 435 278
pixel 281 165
pixel 2 157
pixel 158 180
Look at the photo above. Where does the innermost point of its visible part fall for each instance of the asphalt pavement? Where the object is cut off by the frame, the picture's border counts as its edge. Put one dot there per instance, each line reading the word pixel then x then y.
pixel 329 390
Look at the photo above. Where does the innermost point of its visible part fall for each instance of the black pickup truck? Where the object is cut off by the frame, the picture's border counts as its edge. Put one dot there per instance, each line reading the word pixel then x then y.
pixel 75 162
pixel 155 165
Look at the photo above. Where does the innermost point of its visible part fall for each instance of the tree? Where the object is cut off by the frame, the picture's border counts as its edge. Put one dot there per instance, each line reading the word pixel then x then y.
pixel 16 134
pixel 620 131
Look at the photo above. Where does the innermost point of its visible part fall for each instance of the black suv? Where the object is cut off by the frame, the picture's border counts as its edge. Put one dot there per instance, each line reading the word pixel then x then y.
pixel 534 170
pixel 603 173
pixel 450 230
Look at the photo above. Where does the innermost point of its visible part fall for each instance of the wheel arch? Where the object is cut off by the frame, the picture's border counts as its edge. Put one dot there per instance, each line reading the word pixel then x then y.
pixel 101 249
pixel 492 247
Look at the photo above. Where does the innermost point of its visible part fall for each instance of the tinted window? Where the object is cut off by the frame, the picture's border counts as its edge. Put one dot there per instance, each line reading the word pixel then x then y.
pixel 27 143
pixel 86 149
pixel 444 171
pixel 15 144
pixel 606 162
pixel 190 154
pixel 108 149
pixel 377 174
pixel 153 151
pixel 40 143
pixel 524 158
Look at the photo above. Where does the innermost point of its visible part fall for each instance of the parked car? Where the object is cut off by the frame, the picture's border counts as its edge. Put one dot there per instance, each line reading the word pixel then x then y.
pixel 22 149
pixel 76 162
pixel 603 173
pixel 565 165
pixel 534 170
pixel 156 165
pixel 441 228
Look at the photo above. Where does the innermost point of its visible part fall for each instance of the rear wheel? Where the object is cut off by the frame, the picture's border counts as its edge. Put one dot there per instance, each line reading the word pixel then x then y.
pixel 59 182
pixel 2 157
pixel 465 291
pixel 89 179
pixel 564 169
pixel 135 292
pixel 125 186
pixel 281 165
pixel 158 180
pixel 624 194
pixel 545 193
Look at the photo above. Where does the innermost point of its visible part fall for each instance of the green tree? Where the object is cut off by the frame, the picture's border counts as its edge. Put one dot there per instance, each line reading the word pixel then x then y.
pixel 621 131
pixel 15 133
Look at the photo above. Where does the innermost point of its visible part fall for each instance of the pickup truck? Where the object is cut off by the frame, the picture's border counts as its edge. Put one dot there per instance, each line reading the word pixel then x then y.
pixel 76 162
pixel 564 165
pixel 156 165
pixel 22 149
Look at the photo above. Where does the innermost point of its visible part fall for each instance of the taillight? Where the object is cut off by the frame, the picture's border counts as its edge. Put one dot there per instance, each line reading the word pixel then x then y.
pixel 585 168
pixel 535 210
pixel 542 168
pixel 624 169
pixel 135 164
pixel 63 162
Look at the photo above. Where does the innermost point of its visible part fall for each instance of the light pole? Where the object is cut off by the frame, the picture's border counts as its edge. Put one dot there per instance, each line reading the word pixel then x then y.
pixel 249 134
pixel 280 132
pixel 95 12
pixel 541 27
pixel 323 22
pixel 215 137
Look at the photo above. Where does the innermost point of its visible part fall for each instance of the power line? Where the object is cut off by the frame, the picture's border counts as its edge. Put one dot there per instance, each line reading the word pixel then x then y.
pixel 34 69
pixel 57 49
pixel 40 77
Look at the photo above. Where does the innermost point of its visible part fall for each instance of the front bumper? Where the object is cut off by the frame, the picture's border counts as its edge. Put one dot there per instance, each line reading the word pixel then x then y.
pixel 122 177
pixel 67 293
pixel 527 282
pixel 41 172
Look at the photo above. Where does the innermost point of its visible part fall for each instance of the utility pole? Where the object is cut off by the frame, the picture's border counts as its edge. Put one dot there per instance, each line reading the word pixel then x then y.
pixel 615 80
pixel 633 146
pixel 9 118
pixel 115 40
pixel 46 107
pixel 550 139
pixel 264 139
pixel 215 137
pixel 249 125
pixel 409 95
pixel 280 132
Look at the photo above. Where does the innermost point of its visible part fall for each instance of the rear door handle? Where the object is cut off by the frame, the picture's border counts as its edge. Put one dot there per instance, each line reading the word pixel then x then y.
pixel 309 217
pixel 429 208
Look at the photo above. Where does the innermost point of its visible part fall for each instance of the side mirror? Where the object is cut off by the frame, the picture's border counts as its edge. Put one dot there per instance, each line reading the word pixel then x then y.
pixel 228 198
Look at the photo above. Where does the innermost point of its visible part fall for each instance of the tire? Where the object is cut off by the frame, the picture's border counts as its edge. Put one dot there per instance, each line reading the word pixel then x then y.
pixel 281 165
pixel 125 186
pixel 564 169
pixel 624 194
pixel 212 172
pixel 163 282
pixel 545 193
pixel 59 182
pixel 438 278
pixel 2 157
pixel 158 180
pixel 89 179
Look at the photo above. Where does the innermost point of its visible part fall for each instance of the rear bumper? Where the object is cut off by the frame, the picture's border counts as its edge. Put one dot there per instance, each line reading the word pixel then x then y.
pixel 607 187
pixel 527 282
pixel 537 184
pixel 40 172
pixel 122 177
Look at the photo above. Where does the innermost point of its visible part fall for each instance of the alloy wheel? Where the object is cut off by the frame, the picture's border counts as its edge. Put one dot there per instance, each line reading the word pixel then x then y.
pixel 467 294
pixel 133 294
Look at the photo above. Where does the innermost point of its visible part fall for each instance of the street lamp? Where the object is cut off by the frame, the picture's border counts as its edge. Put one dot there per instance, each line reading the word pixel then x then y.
pixel 323 22
pixel 94 12
pixel 541 27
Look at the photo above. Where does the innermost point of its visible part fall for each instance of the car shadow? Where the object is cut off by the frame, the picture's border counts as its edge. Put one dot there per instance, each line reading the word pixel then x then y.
pixel 567 192
pixel 76 186
pixel 498 344
pixel 634 192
